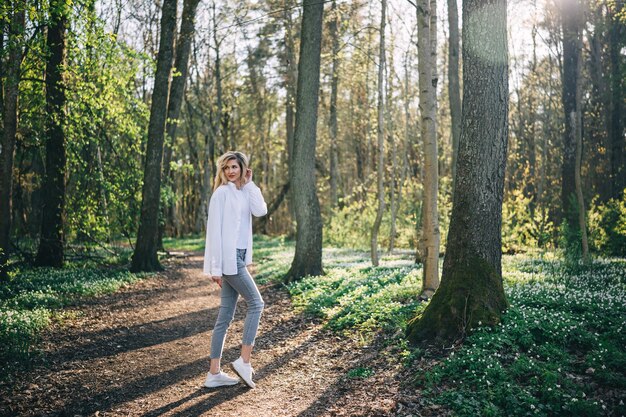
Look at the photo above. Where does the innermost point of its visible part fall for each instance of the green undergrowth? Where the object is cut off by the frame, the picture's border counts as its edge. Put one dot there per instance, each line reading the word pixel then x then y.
pixel 361 298
pixel 354 297
pixel 559 350
pixel 32 299
pixel 272 257
pixel 192 243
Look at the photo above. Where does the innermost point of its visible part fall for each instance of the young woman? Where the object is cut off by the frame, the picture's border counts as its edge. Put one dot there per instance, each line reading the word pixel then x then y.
pixel 228 251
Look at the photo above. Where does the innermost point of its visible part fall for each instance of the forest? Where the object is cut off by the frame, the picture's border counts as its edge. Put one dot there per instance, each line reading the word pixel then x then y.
pixel 446 205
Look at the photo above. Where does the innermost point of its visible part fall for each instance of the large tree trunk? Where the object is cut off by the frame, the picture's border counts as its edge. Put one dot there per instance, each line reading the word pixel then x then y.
pixel 50 252
pixel 571 54
pixel 471 290
pixel 308 256
pixel 177 91
pixel 145 255
pixel 454 88
pixel 10 103
pixel 428 125
pixel 380 131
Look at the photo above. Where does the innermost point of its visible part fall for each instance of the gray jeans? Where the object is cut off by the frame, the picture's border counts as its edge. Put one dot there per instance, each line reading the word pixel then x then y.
pixel 233 286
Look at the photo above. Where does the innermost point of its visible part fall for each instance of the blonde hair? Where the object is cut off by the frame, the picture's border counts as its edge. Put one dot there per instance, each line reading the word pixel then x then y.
pixel 222 161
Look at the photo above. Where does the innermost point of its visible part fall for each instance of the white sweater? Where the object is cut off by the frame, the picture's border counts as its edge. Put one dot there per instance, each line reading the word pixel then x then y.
pixel 220 253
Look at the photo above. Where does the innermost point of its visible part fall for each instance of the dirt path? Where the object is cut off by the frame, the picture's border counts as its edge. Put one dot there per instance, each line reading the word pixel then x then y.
pixel 144 352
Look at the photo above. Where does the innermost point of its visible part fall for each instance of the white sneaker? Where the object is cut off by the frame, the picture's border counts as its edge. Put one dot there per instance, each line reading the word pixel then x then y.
pixel 244 370
pixel 218 380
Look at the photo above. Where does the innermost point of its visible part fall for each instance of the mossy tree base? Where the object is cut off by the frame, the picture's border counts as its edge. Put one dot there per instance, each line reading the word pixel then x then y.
pixel 471 294
pixel 471 290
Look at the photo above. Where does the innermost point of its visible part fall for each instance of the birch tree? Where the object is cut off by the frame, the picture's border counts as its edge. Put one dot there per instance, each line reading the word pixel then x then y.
pixel 428 127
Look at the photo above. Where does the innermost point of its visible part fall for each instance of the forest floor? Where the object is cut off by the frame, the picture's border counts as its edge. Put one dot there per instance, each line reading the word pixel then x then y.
pixel 144 351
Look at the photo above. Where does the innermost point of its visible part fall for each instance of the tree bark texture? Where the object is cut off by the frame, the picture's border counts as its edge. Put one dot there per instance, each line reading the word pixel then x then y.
pixel 308 256
pixel 50 251
pixel 571 54
pixel 454 87
pixel 428 127
pixel 471 290
pixel 380 133
pixel 145 255
pixel 10 118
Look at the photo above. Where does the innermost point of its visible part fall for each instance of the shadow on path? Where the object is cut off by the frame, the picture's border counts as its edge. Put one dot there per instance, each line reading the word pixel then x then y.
pixel 111 342
pixel 138 388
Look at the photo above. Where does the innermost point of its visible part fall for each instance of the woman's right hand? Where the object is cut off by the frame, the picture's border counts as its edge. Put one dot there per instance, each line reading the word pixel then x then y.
pixel 217 280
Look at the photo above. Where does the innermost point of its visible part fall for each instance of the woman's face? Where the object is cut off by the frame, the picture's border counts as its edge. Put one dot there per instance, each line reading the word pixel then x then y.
pixel 232 170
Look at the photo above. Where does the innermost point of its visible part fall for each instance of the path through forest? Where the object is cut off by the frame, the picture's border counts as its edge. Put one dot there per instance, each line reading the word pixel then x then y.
pixel 144 351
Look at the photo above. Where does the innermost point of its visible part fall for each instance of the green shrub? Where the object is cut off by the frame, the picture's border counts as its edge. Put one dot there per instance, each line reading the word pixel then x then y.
pixel 521 229
pixel 351 225
pixel 607 226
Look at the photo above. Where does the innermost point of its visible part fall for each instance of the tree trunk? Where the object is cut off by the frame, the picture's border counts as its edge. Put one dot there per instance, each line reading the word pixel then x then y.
pixel 454 89
pixel 571 55
pixel 50 252
pixel 308 256
pixel 577 124
pixel 393 198
pixel 617 32
pixel 471 291
pixel 381 139
pixel 10 102
pixel 428 125
pixel 145 255
pixel 334 154
pixel 177 91
pixel 530 134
